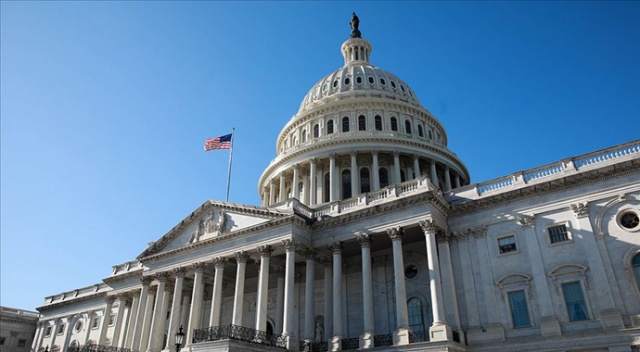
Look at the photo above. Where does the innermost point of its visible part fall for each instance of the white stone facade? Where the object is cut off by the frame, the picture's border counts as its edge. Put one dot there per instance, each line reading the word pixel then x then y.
pixel 406 255
pixel 17 328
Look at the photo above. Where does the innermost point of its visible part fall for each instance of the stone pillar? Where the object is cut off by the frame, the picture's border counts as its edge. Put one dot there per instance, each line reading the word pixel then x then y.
pixel 449 296
pixel 104 326
pixel 401 335
pixel 148 316
pixel 549 325
pixel 456 179
pixel 216 295
pixel 117 328
pixel 328 298
pixel 133 314
pixel 174 317
pixel 416 166
pixel 196 302
pixel 158 313
pixel 54 332
pixel 375 173
pixel 185 310
pixel 282 195
pixel 336 339
pixel 288 325
pixel 238 299
pixel 439 331
pixel 447 179
pixel 142 305
pixel 67 334
pixel 396 168
pixel 263 288
pixel 272 192
pixel 332 178
pixel 494 329
pixel 159 329
pixel 609 315
pixel 294 183
pixel 355 175
pixel 309 302
pixel 313 188
pixel 279 300
pixel 366 339
pixel 434 174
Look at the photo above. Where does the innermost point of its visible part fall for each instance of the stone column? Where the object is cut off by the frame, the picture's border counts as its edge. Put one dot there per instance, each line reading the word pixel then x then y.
pixel 355 175
pixel 158 312
pixel 375 173
pixel 148 316
pixel 174 318
pixel 142 305
pixel 216 295
pixel 117 328
pixel 309 302
pixel 416 166
pixel 238 300
pixel 456 179
pixel 288 325
pixel 135 303
pixel 263 288
pixel 196 301
pixel 366 339
pixel 185 310
pixel 328 298
pixel 68 328
pixel 434 174
pixel 282 195
pixel 401 335
pixel 609 315
pixel 494 327
pixel 272 192
pixel 294 183
pixel 336 339
pixel 160 320
pixel 313 188
pixel 332 178
pixel 279 300
pixel 447 179
pixel 549 325
pixel 439 331
pixel 396 168
pixel 54 332
pixel 449 296
pixel 104 326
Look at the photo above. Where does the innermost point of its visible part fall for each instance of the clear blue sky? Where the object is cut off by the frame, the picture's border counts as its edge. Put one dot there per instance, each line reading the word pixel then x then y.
pixel 105 106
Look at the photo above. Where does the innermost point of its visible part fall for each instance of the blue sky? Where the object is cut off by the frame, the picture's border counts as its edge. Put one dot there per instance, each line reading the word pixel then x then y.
pixel 105 106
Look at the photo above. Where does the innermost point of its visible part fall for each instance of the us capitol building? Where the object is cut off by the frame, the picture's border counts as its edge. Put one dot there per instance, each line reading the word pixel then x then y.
pixel 371 236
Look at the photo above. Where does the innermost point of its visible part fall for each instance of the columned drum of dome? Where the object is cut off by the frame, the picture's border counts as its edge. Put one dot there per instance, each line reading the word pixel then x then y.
pixel 361 129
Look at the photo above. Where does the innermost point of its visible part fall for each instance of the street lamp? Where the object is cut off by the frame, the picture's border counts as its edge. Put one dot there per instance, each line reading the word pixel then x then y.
pixel 179 339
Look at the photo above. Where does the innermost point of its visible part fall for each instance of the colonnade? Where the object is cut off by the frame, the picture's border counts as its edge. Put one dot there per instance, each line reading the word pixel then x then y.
pixel 306 180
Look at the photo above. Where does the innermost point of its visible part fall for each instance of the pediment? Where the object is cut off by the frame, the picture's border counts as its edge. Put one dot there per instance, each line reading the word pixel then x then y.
pixel 212 219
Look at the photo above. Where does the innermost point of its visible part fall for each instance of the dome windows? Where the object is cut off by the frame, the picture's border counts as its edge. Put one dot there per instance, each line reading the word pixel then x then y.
pixel 407 126
pixel 345 124
pixel 371 80
pixel 330 127
pixel 378 122
pixel 394 124
pixel 383 82
pixel 359 80
pixel 316 131
pixel 335 83
pixel 347 81
pixel 393 84
pixel 420 131
pixel 362 123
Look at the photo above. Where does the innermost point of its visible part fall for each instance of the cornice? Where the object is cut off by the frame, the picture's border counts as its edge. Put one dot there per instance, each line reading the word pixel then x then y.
pixel 72 301
pixel 122 277
pixel 551 186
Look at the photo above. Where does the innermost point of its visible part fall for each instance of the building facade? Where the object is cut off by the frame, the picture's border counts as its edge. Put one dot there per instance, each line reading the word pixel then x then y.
pixel 370 236
pixel 17 328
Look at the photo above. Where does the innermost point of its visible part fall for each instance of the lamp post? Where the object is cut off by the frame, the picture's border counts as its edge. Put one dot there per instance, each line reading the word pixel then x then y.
pixel 179 339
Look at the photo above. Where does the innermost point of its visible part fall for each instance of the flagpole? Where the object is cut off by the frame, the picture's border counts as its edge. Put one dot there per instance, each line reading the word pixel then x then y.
pixel 233 133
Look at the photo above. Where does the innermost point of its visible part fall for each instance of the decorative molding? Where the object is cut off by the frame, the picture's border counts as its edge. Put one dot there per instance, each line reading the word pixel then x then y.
pixel 219 262
pixel 146 280
pixel 526 221
pixel 199 267
pixel 309 253
pixel 480 232
pixel 180 271
pixel 428 226
pixel 444 237
pixel 241 257
pixel 580 210
pixel 395 233
pixel 289 245
pixel 336 247
pixel 162 276
pixel 365 240
pixel 265 251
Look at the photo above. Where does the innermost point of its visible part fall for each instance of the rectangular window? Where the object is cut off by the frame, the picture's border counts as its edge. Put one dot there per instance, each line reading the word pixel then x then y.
pixel 48 331
pixel 519 311
pixel 2 340
pixel 95 323
pixel 558 233
pixel 60 329
pixel 507 244
pixel 574 299
pixel 22 342
pixel 112 319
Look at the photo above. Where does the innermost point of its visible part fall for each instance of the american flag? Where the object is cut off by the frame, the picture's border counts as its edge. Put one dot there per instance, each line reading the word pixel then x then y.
pixel 222 142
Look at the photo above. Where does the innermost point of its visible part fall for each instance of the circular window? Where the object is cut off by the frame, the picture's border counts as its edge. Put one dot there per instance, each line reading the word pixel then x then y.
pixel 78 326
pixel 629 220
pixel 411 271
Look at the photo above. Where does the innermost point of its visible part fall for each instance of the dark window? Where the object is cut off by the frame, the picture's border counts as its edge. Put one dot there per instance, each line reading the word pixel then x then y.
pixel 48 331
pixel 2 340
pixel 507 244
pixel 393 84
pixel 347 81
pixel 22 342
pixel 411 271
pixel 519 311
pixel 430 135
pixel 394 124
pixel 327 188
pixel 384 177
pixel 345 124
pixel 365 184
pixel 358 80
pixel 558 233
pixel 335 83
pixel 420 131
pixel 416 319
pixel 330 127
pixel 362 123
pixel 378 123
pixel 60 329
pixel 629 220
pixel 304 135
pixel 382 81
pixel 574 299
pixel 371 80
pixel 316 131
pixel 346 184
pixel 403 176
pixel 402 87
pixel 407 126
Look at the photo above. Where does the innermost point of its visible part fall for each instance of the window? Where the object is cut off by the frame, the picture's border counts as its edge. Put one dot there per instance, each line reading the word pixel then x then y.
pixel 420 131
pixel 382 81
pixel 519 310
pixel 345 124
pixel 411 271
pixel 347 81
pixel 358 79
pixel 346 184
pixel 362 123
pixel 558 233
pixel 378 121
pixel 60 329
pixel 507 244
pixel 370 79
pixel 629 220
pixel 416 319
pixel 22 342
pixel 316 131
pixel 430 135
pixel 327 188
pixel 403 176
pixel 365 185
pixel 574 299
pixel 2 340
pixel 407 126
pixel 330 127
pixel 394 124
pixel 112 319
pixel 335 83
pixel 48 331
pixel 393 84
pixel 78 325
pixel 95 322
pixel 384 177
pixel 635 264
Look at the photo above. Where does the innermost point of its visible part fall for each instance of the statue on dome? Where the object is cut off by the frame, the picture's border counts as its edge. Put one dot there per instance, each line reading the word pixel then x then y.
pixel 355 23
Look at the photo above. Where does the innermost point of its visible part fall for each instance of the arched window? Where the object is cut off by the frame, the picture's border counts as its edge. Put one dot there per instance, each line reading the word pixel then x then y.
pixel 346 184
pixel 384 177
pixel 330 127
pixel 416 319
pixel 362 123
pixel 365 184
pixel 407 126
pixel 326 189
pixel 316 131
pixel 378 123
pixel 635 263
pixel 430 135
pixel 304 135
pixel 345 124
pixel 394 124
pixel 420 131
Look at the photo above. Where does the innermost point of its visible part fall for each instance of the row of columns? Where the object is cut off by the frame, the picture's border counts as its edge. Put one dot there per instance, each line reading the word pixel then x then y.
pixel 275 190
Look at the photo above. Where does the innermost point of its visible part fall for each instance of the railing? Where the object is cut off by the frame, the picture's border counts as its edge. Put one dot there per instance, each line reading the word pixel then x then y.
pixel 418 336
pixel 96 348
pixel 351 343
pixel 314 346
pixel 544 171
pixel 240 333
pixel 383 340
pixel 495 184
pixel 607 154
